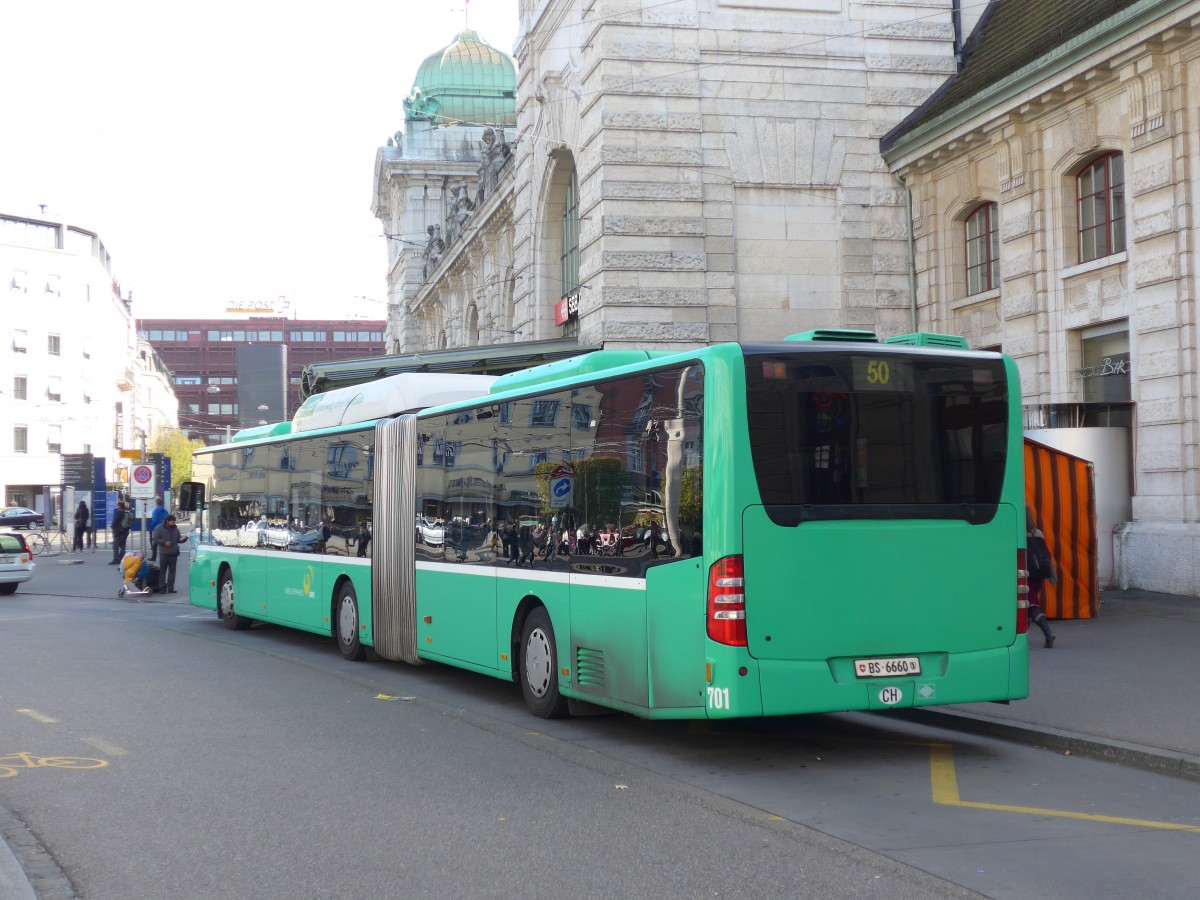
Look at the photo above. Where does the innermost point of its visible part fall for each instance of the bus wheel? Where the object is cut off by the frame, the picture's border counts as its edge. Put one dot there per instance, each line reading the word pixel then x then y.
pixel 225 604
pixel 539 667
pixel 347 624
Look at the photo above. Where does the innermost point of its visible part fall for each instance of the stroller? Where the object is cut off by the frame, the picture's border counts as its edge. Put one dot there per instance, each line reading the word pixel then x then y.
pixel 144 580
pixel 608 542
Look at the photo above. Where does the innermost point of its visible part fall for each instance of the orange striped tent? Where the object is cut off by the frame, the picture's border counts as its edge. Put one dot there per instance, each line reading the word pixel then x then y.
pixel 1061 491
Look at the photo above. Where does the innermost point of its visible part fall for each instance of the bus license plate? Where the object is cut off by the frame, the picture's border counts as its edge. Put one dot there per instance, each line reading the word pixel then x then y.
pixel 887 667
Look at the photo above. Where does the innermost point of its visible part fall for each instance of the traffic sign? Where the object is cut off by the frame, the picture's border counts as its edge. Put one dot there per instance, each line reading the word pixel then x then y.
pixel 560 492
pixel 131 454
pixel 141 482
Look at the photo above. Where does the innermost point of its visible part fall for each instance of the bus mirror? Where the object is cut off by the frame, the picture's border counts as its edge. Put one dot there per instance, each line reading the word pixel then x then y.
pixel 191 496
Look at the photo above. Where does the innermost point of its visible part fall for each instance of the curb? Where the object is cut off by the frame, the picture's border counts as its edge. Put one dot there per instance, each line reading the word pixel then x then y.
pixel 1151 759
pixel 27 870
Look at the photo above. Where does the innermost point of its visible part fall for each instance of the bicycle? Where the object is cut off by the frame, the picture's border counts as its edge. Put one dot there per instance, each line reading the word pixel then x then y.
pixel 11 764
pixel 42 541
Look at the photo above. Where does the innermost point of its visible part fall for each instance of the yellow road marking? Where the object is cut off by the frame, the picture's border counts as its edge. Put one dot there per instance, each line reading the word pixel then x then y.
pixel 34 714
pixel 944 782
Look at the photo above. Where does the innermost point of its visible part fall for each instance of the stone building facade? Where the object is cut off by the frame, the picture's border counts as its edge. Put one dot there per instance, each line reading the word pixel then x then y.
pixel 678 174
pixel 443 191
pixel 723 159
pixel 1053 184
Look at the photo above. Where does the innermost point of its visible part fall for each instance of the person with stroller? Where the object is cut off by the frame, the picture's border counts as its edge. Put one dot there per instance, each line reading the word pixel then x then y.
pixel 131 565
pixel 140 574
pixel 167 540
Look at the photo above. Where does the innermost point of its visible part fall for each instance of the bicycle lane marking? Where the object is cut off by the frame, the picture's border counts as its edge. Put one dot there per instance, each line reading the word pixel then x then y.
pixel 944 781
pixel 11 765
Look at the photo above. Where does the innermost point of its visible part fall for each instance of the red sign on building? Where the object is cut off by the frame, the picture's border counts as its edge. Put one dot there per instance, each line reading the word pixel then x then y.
pixel 566 309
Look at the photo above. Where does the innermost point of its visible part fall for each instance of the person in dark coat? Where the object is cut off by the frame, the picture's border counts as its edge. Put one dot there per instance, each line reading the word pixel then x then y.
pixel 121 525
pixel 167 540
pixel 157 517
pixel 83 521
pixel 1041 570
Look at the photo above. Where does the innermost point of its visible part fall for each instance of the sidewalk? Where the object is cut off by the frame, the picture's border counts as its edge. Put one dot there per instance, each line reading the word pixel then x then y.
pixel 1120 687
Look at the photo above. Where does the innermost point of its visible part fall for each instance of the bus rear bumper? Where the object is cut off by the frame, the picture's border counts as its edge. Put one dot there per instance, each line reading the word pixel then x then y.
pixel 797 687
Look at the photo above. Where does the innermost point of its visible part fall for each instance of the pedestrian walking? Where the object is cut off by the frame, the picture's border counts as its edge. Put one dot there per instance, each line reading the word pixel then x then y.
pixel 1040 565
pixel 166 540
pixel 82 523
pixel 157 517
pixel 121 526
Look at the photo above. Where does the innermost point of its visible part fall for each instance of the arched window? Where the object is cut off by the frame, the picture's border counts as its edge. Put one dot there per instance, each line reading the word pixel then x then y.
pixel 570 239
pixel 1100 193
pixel 983 249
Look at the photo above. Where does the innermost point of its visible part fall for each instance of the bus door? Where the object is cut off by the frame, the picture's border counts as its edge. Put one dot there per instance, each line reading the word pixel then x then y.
pixel 454 519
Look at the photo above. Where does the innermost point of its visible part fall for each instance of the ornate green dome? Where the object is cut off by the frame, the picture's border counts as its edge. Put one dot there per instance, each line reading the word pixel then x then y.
pixel 469 82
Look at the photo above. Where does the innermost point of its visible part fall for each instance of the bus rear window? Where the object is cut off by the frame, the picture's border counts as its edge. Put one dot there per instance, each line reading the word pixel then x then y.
pixel 870 434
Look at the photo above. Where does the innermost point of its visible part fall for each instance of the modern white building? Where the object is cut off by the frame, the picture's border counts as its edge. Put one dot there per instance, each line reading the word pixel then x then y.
pixel 155 404
pixel 68 363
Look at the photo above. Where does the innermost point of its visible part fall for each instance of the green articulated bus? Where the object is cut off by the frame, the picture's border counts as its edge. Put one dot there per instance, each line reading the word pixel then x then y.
pixel 824 523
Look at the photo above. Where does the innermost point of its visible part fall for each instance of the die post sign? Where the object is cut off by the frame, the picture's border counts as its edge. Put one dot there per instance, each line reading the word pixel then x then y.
pixel 142 482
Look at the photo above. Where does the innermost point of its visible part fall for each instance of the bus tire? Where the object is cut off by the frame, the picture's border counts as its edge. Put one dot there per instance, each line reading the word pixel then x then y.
pixel 539 667
pixel 347 624
pixel 225 604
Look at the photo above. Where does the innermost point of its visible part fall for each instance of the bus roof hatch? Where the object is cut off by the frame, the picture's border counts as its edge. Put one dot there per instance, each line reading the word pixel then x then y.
pixel 930 339
pixel 849 335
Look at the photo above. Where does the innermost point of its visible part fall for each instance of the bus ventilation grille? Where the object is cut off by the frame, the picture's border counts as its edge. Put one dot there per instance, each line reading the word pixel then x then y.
pixel 835 334
pixel 589 667
pixel 930 339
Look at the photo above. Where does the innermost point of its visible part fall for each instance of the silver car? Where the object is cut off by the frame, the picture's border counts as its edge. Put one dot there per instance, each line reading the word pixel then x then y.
pixel 16 561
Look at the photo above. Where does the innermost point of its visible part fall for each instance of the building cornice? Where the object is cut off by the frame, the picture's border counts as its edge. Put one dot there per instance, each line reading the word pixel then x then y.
pixel 1027 79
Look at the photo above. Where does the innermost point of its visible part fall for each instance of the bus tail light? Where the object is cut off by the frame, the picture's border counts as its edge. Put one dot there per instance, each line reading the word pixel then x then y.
pixel 727 602
pixel 1022 594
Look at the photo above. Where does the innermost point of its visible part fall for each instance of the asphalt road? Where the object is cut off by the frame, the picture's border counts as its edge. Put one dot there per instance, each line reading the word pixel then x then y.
pixel 261 764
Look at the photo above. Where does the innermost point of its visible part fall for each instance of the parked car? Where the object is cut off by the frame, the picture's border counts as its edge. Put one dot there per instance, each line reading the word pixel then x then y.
pixel 20 517
pixel 271 534
pixel 304 541
pixel 16 561
pixel 431 531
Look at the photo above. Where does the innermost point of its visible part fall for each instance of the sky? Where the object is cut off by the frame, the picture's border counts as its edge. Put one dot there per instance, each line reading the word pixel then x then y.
pixel 222 150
